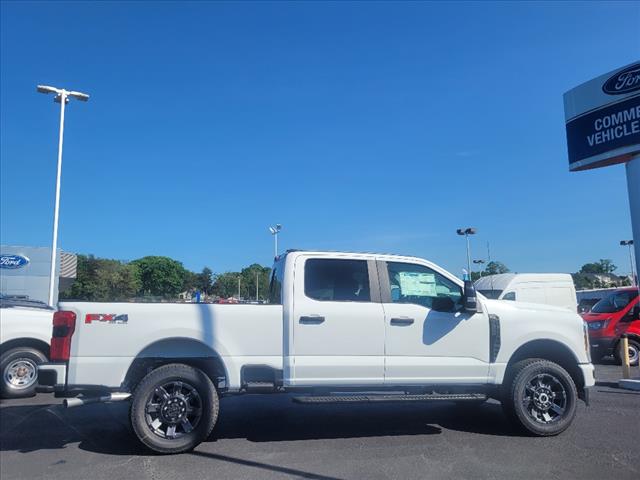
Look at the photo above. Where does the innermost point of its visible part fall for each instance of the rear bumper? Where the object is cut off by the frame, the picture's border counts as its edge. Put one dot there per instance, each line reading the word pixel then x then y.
pixel 53 375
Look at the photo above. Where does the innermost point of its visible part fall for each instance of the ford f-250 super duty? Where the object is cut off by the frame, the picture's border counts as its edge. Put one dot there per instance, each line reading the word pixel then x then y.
pixel 341 327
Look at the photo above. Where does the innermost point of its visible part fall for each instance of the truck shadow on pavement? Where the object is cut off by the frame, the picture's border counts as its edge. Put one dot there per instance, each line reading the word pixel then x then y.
pixel 104 428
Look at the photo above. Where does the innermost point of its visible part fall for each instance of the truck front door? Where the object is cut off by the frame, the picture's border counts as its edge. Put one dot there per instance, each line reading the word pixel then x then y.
pixel 429 337
pixel 337 324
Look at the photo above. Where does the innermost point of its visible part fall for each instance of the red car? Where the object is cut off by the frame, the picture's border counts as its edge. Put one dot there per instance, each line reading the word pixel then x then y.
pixel 615 314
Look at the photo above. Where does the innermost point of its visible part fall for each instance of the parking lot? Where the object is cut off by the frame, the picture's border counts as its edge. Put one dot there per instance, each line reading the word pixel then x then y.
pixel 271 437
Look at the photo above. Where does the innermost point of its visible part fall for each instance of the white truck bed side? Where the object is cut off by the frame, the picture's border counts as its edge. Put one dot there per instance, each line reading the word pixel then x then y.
pixel 252 334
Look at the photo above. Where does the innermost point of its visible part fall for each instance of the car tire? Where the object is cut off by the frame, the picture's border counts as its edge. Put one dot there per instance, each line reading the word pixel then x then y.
pixel 174 408
pixel 19 369
pixel 540 397
pixel 634 352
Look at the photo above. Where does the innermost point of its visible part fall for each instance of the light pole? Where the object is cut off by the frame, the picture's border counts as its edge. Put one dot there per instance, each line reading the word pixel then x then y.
pixel 61 97
pixel 466 232
pixel 479 262
pixel 629 243
pixel 274 231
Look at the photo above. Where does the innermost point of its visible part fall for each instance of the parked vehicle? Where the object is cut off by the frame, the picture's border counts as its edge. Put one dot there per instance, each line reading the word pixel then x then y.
pixel 555 289
pixel 586 304
pixel 621 305
pixel 629 325
pixel 25 332
pixel 341 327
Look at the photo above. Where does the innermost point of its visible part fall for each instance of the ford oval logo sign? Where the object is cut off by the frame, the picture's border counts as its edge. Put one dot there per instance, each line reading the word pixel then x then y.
pixel 13 261
pixel 624 81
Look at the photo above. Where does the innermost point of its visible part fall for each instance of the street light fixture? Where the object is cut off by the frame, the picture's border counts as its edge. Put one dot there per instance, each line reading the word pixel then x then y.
pixel 62 97
pixel 629 243
pixel 274 231
pixel 466 232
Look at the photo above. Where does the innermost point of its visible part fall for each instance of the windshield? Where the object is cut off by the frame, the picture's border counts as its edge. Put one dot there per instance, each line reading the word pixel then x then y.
pixel 492 294
pixel 614 302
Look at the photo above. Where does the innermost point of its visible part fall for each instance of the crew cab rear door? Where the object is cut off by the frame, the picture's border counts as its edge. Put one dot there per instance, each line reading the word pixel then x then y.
pixel 337 322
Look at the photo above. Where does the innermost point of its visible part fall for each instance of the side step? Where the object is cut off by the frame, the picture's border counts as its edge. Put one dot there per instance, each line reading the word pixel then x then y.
pixel 373 398
pixel 256 387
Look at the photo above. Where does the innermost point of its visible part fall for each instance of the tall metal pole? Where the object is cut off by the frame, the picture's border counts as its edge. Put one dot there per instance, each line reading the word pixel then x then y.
pixel 633 188
pixel 468 255
pixel 257 275
pixel 54 243
pixel 488 262
pixel 633 274
pixel 238 287
pixel 276 245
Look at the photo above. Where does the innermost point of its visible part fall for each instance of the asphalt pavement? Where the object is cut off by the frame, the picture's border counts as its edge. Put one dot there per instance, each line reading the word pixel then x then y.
pixel 269 437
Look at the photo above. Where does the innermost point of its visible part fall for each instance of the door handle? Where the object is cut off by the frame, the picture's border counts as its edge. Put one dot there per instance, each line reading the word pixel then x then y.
pixel 402 321
pixel 312 320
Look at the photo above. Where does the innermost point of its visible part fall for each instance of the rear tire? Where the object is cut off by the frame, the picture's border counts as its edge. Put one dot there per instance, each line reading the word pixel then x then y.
pixel 174 408
pixel 540 397
pixel 19 369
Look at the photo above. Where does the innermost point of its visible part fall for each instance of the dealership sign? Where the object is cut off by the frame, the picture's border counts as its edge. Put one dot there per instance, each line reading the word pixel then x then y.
pixel 603 119
pixel 13 261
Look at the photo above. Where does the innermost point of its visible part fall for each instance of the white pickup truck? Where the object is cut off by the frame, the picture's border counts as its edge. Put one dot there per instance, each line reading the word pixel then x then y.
pixel 25 331
pixel 341 327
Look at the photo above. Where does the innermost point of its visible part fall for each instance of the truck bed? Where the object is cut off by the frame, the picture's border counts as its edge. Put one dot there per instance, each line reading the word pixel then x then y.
pixel 148 330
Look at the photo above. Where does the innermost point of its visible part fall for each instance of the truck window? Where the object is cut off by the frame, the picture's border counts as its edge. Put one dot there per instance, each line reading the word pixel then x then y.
pixel 510 296
pixel 411 283
pixel 337 280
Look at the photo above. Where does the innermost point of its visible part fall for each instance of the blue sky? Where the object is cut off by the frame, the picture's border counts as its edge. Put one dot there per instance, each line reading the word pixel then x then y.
pixel 358 126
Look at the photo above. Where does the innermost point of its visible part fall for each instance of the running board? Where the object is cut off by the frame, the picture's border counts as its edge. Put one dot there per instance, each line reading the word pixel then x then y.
pixel 428 397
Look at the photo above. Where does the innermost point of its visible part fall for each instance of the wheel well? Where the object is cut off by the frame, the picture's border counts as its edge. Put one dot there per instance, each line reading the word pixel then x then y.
pixel 25 342
pixel 186 351
pixel 553 351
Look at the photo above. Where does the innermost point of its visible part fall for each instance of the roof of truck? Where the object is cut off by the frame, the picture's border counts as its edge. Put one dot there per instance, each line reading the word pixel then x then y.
pixel 345 253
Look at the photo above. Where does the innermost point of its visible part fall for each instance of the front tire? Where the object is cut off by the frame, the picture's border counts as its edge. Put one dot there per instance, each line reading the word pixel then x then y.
pixel 634 352
pixel 540 396
pixel 174 408
pixel 19 369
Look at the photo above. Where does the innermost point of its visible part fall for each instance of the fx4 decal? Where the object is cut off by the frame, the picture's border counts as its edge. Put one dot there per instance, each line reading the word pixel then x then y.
pixel 106 318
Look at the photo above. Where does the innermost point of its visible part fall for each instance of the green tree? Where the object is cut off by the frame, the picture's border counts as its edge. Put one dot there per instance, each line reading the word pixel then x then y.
pixel 604 265
pixel 494 268
pixel 103 280
pixel 204 280
pixel 162 276
pixel 226 284
pixel 250 276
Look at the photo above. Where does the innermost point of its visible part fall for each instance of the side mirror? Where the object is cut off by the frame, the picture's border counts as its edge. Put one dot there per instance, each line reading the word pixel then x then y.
pixel 469 299
pixel 443 304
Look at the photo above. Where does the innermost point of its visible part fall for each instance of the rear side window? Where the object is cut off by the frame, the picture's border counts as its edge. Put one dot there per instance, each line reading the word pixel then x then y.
pixel 337 280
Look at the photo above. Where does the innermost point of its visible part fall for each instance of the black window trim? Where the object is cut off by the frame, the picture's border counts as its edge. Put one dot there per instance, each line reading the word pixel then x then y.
pixel 374 286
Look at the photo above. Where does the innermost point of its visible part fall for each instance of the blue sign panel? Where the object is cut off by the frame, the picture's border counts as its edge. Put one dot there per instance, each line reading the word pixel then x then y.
pixel 603 130
pixel 13 261
pixel 602 118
